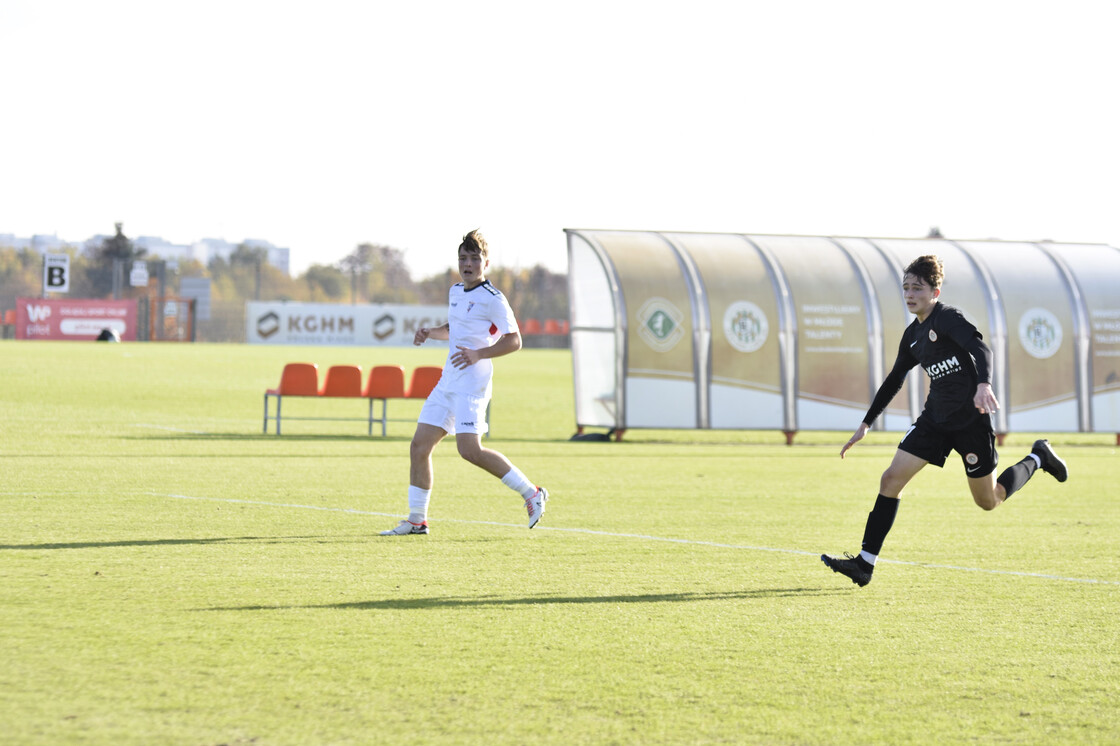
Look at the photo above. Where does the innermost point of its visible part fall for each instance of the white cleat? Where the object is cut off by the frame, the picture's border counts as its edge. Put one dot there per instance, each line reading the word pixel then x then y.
pixel 535 505
pixel 406 528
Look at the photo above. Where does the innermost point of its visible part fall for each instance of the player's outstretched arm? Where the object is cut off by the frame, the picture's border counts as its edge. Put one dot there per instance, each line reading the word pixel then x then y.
pixel 423 334
pixel 857 436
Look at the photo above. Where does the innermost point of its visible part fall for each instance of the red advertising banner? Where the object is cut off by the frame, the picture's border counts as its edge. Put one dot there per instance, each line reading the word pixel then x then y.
pixel 39 318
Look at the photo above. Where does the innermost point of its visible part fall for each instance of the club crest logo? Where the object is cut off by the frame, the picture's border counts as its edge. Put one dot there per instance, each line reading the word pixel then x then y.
pixel 745 326
pixel 972 459
pixel 1040 333
pixel 932 335
pixel 660 324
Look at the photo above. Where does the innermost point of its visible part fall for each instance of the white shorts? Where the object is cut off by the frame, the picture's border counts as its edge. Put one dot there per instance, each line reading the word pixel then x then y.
pixel 455 413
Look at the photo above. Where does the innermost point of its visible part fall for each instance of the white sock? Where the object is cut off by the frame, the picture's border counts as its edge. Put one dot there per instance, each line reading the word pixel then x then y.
pixel 869 558
pixel 418 500
pixel 518 482
pixel 1037 460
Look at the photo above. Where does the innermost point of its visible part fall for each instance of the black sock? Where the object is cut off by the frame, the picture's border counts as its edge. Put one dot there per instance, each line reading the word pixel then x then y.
pixel 879 522
pixel 1015 476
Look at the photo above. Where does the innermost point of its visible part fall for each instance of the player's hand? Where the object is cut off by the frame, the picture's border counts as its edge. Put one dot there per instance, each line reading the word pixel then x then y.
pixel 465 358
pixel 857 436
pixel 421 336
pixel 985 399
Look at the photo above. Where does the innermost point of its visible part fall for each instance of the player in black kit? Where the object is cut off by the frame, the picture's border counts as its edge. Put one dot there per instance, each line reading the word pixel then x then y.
pixel 957 415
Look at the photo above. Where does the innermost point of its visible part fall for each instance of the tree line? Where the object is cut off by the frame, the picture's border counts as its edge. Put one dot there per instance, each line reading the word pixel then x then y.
pixel 371 273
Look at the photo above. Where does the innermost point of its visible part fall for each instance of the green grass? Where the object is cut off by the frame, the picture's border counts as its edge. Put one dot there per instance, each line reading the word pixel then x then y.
pixel 170 575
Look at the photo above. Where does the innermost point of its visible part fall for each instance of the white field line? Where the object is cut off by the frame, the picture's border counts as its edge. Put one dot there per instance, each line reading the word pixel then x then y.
pixel 644 537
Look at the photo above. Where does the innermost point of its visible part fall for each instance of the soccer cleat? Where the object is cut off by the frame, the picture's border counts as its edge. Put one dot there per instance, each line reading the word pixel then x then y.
pixel 1050 460
pixel 850 566
pixel 406 528
pixel 535 505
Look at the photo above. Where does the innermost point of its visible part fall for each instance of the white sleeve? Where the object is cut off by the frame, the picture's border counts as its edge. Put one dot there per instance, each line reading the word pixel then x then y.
pixel 502 316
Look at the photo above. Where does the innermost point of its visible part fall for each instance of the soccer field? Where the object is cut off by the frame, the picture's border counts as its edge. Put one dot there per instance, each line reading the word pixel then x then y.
pixel 169 575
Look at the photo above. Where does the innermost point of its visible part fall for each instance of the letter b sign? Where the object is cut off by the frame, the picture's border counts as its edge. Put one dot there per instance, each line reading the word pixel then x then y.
pixel 56 273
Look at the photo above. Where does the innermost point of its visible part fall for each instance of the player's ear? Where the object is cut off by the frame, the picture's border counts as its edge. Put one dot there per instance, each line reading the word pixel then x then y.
pixel 937 292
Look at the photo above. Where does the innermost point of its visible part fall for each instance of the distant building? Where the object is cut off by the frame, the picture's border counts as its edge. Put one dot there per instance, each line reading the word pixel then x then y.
pixel 277 256
pixel 40 242
pixel 157 247
pixel 203 250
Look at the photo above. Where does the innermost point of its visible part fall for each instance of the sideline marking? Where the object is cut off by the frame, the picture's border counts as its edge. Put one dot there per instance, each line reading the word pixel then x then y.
pixel 593 532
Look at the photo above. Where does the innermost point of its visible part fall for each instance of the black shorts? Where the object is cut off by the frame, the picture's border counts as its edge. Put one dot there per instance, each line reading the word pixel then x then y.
pixel 976 444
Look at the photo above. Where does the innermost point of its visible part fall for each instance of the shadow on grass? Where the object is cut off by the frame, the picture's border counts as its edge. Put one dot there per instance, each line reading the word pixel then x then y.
pixel 311 438
pixel 444 602
pixel 273 438
pixel 157 542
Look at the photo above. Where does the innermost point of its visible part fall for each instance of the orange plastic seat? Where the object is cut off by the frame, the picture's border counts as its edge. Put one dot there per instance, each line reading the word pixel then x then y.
pixel 385 382
pixel 344 381
pixel 298 379
pixel 552 326
pixel 531 326
pixel 424 379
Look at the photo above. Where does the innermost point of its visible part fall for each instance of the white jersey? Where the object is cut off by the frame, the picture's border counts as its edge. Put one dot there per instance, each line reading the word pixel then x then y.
pixel 476 318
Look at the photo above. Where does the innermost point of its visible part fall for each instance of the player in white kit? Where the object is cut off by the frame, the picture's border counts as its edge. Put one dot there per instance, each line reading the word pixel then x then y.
pixel 480 326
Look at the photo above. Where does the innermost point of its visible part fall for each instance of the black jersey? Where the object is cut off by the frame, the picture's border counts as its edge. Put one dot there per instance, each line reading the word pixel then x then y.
pixel 953 354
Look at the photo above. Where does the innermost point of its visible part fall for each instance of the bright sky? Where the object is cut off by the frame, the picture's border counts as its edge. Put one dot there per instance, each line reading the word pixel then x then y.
pixel 319 126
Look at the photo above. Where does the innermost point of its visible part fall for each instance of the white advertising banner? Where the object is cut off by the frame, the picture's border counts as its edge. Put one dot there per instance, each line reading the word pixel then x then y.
pixel 387 325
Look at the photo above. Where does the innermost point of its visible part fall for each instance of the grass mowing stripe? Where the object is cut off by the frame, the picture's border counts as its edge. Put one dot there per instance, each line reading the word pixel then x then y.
pixel 171 429
pixel 646 537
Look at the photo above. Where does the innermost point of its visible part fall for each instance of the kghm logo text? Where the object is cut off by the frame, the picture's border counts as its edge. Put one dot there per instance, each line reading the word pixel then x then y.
pixel 944 368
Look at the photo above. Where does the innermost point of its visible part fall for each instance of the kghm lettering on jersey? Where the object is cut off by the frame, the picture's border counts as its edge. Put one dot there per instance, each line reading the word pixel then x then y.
pixel 944 368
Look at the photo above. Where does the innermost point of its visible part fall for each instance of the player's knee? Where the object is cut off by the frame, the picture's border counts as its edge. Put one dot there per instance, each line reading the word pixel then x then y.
pixel 419 449
pixel 987 502
pixel 472 452
pixel 890 483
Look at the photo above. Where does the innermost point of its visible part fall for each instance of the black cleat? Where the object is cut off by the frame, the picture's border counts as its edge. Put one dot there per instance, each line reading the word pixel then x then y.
pixel 850 566
pixel 1050 460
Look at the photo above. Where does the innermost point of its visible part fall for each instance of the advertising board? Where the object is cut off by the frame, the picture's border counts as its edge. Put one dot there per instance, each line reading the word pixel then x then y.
pixel 387 325
pixel 41 318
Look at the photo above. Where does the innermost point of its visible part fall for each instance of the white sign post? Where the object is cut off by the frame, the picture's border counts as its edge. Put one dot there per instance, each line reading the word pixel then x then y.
pixel 56 273
pixel 138 277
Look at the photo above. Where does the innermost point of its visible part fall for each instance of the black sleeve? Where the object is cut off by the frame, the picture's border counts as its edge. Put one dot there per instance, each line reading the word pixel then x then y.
pixel 892 384
pixel 971 341
pixel 982 354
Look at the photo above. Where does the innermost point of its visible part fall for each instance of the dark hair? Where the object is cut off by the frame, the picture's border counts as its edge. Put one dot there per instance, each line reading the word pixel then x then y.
pixel 928 268
pixel 474 243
